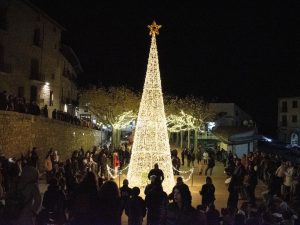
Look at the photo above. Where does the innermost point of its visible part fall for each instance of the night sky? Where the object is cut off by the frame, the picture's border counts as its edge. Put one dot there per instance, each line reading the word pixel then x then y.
pixel 232 51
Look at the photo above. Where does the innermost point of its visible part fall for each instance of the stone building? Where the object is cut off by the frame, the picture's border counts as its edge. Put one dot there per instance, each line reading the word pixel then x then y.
pixel 33 62
pixel 289 120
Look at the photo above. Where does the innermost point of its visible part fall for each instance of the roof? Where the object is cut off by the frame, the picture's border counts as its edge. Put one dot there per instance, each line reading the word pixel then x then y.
pixel 37 9
pixel 235 135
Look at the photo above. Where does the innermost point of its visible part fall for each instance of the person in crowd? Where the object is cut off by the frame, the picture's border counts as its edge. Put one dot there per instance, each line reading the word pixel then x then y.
pixel 54 205
pixel 205 157
pixel 48 167
pixel 210 164
pixel 179 181
pixel 280 173
pixel 288 179
pixel 208 193
pixel 157 172
pixel 233 190
pixel 84 201
pixel 250 182
pixel 27 198
pixel 213 215
pixel 125 192
pixel 201 211
pixel 109 209
pixel 180 211
pixel 135 208
pixel 239 174
pixel 34 158
pixel 156 201
pixel 150 186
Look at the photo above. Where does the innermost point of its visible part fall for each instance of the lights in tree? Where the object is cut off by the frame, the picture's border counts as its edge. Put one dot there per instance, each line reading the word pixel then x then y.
pixel 151 142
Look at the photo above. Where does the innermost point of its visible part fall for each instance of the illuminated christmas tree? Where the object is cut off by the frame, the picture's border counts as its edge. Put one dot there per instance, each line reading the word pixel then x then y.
pixel 151 142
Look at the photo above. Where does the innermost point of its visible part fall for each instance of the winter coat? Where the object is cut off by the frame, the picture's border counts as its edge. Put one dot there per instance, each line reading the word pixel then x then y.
pixel 176 216
pixel 156 201
pixel 54 201
pixel 28 187
pixel 135 210
pixel 208 194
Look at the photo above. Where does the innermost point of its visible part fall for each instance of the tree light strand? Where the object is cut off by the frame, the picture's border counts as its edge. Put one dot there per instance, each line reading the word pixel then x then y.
pixel 151 141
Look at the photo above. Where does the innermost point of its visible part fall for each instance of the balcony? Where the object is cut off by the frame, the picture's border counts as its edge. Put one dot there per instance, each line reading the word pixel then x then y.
pixel 37 77
pixel 5 68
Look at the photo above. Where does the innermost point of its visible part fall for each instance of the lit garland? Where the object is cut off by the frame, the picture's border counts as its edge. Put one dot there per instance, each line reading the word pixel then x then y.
pixel 151 142
pixel 115 175
pixel 191 171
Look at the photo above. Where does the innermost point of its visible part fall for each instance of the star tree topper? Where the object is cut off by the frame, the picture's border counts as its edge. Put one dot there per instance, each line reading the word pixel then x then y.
pixel 154 28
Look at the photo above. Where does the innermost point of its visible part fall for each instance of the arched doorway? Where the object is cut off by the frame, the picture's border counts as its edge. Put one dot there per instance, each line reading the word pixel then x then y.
pixel 294 139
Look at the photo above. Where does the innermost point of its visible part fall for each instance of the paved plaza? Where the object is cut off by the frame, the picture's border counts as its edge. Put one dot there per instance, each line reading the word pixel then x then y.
pixel 195 184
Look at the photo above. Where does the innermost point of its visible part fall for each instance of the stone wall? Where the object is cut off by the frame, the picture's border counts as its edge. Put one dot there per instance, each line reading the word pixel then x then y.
pixel 20 132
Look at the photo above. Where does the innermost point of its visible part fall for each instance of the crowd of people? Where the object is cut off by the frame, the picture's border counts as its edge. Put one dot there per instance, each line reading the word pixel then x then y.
pixel 19 104
pixel 80 192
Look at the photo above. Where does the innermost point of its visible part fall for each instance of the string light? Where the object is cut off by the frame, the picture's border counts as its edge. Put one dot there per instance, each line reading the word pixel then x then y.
pixel 115 175
pixel 151 142
pixel 191 171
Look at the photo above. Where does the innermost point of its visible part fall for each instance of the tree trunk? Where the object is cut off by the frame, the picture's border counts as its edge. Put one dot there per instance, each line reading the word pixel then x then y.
pixel 181 139
pixel 195 140
pixel 188 139
pixel 177 139
pixel 116 134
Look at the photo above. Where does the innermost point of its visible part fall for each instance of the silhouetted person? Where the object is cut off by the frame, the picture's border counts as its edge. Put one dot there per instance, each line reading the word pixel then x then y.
pixel 135 208
pixel 208 193
pixel 109 209
pixel 125 193
pixel 157 172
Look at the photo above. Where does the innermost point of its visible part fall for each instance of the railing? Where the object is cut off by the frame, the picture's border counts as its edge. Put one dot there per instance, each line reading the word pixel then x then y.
pixel 6 68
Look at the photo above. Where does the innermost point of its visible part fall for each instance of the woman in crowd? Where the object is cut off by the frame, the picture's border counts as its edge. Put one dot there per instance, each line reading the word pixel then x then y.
pixel 181 212
pixel 109 208
pixel 208 193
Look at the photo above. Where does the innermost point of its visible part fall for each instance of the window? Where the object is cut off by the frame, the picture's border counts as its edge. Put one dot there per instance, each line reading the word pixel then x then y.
pixel 284 120
pixel 33 94
pixel 51 98
pixel 3 18
pixel 283 106
pixel 34 72
pixel 20 92
pixel 295 104
pixel 37 37
pixel 294 118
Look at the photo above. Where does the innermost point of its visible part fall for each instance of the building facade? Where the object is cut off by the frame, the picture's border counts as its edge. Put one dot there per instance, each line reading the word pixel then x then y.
pixel 229 114
pixel 33 62
pixel 289 120
pixel 233 128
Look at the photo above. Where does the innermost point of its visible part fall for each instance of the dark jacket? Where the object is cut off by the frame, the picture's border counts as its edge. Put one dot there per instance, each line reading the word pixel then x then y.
pixel 156 201
pixel 208 194
pixel 135 210
pixel 176 216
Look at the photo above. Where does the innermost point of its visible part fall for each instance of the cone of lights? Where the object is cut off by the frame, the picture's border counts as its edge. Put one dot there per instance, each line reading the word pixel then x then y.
pixel 151 142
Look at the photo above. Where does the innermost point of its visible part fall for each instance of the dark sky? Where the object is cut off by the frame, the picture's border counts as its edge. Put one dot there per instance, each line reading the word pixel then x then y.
pixel 234 51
